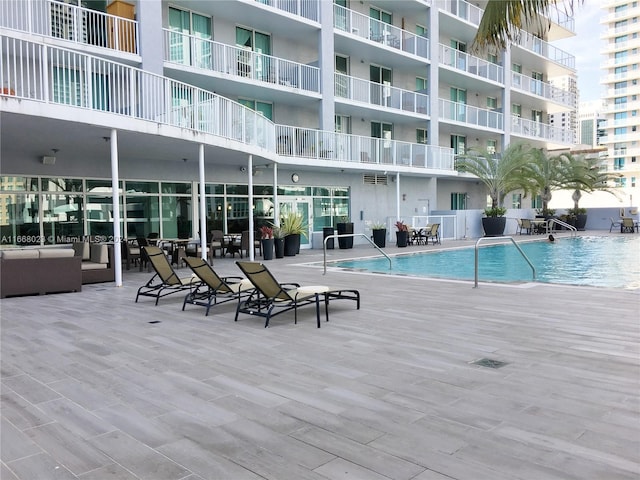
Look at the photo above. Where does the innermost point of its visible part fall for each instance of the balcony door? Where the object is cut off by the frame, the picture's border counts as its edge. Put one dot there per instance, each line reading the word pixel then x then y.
pixel 380 90
pixel 260 43
pixel 459 106
pixel 189 38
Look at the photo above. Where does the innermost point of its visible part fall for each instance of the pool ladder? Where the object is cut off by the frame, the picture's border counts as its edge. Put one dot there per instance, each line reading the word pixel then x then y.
pixel 344 235
pixel 480 240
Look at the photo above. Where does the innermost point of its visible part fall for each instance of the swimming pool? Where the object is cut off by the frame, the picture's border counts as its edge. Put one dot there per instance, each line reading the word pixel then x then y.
pixel 587 260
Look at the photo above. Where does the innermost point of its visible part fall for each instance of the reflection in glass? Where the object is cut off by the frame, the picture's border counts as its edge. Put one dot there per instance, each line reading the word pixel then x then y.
pixel 63 216
pixel 19 219
pixel 176 217
pixel 143 216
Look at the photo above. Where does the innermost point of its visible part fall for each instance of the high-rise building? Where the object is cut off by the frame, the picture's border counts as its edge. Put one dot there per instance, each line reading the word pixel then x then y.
pixel 221 114
pixel 566 118
pixel 621 79
pixel 591 123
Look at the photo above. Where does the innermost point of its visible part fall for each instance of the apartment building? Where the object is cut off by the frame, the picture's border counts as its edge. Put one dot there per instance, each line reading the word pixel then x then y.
pixel 621 80
pixel 221 114
pixel 591 123
pixel 568 118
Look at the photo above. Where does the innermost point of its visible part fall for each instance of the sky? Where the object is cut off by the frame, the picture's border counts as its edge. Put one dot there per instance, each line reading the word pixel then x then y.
pixel 586 47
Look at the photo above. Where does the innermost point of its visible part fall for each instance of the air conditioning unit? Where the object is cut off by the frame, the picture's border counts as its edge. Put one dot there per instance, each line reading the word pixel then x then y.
pixel 48 160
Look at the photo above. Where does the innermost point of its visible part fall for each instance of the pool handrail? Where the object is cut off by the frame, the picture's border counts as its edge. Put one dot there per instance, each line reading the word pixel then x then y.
pixel 499 238
pixel 574 230
pixel 343 235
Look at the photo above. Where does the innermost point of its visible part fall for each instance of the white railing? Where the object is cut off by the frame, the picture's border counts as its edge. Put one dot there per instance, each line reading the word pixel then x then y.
pixel 468 63
pixel 209 55
pixel 371 29
pixel 460 112
pixel 461 9
pixel 542 89
pixel 372 93
pixel 70 22
pixel 325 145
pixel 536 45
pixel 529 128
pixel 308 9
pixel 61 76
pixel 53 75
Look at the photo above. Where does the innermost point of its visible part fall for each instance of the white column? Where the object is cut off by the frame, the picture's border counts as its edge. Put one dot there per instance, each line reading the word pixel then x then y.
pixel 398 196
pixel 203 204
pixel 115 181
pixel 276 203
pixel 250 200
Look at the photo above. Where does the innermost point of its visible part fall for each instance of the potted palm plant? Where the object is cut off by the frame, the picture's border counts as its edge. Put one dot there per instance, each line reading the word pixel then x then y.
pixel 379 234
pixel 501 175
pixel 345 226
pixel 402 234
pixel 293 226
pixel 266 239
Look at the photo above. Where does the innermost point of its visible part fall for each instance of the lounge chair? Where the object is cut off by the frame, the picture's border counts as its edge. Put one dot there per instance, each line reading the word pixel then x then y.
pixel 165 281
pixel 214 289
pixel 270 294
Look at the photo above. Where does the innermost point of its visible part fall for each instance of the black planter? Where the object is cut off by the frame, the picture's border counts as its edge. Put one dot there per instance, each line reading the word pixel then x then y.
pixel 380 237
pixel 327 231
pixel 278 243
pixel 267 248
pixel 402 239
pixel 344 228
pixel 581 222
pixel 291 244
pixel 493 226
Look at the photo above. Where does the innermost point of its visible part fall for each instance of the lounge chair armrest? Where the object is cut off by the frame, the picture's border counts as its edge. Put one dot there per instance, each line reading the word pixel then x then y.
pixel 290 285
pixel 232 279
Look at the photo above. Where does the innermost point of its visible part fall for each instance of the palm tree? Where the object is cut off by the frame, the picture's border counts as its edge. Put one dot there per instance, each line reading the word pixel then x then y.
pixel 500 174
pixel 585 175
pixel 503 19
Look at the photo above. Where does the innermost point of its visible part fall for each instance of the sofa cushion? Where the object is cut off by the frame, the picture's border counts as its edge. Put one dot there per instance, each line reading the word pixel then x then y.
pixel 82 250
pixel 99 253
pixel 56 252
pixel 20 253
pixel 93 266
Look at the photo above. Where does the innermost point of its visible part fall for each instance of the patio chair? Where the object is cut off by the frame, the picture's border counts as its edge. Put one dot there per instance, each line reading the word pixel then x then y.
pixel 270 295
pixel 628 226
pixel 433 234
pixel 214 289
pixel 244 243
pixel 165 281
pixel 614 224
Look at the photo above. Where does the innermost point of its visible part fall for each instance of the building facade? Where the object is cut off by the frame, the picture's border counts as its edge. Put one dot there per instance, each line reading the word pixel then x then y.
pixel 621 79
pixel 223 114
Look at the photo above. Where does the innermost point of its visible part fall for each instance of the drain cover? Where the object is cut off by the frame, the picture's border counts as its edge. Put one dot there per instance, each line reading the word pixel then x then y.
pixel 154 321
pixel 489 363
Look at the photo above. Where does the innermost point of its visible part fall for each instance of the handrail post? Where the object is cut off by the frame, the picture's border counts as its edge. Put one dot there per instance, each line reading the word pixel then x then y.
pixel 533 268
pixel 344 235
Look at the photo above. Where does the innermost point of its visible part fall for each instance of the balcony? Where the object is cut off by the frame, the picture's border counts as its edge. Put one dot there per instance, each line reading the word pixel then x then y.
pixel 453 58
pixel 72 23
pixel 542 89
pixel 308 9
pixel 326 146
pixel 538 46
pixel 461 9
pixel 471 116
pixel 378 94
pixel 239 62
pixel 362 26
pixel 542 131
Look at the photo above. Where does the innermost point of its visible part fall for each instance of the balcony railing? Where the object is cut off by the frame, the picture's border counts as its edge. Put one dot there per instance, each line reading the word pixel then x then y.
pixel 529 128
pixel 477 117
pixel 461 9
pixel 324 145
pixel 542 89
pixel 371 29
pixel 70 22
pixel 239 62
pixel 308 9
pixel 470 64
pixel 59 76
pixel 372 93
pixel 536 45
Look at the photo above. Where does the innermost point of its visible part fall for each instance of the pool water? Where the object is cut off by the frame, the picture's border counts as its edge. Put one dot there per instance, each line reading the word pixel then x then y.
pixel 595 261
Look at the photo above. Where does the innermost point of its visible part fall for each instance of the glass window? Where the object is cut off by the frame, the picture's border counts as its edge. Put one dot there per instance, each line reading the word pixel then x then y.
pixel 492 103
pixel 100 186
pixel 176 217
pixel 25 184
pixel 217 189
pixel 143 216
pixel 237 189
pixel 340 192
pixel 141 187
pixel 99 215
pixel 177 188
pixel 321 192
pixel 63 216
pixel 421 135
pixel 516 200
pixel 61 185
pixel 458 201
pixel 19 219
